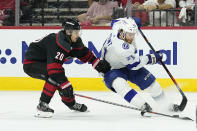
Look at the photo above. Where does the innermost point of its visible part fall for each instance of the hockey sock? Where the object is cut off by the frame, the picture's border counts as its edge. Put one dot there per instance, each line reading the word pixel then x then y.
pixel 47 93
pixel 68 101
pixel 155 90
pixel 159 96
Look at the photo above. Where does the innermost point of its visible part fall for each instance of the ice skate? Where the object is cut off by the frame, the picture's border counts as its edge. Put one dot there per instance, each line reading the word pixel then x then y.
pixel 174 108
pixel 145 108
pixel 43 110
pixel 79 107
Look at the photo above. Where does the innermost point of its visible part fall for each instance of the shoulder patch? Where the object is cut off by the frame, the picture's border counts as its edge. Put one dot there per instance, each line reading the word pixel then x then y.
pixel 125 46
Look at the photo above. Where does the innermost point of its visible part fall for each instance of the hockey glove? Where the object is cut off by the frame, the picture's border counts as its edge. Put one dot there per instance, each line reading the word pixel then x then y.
pixel 154 58
pixel 66 90
pixel 102 66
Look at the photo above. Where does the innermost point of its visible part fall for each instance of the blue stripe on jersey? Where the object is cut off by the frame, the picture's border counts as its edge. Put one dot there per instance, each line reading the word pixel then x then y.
pixel 105 51
pixel 113 21
pixel 130 66
pixel 104 42
pixel 129 96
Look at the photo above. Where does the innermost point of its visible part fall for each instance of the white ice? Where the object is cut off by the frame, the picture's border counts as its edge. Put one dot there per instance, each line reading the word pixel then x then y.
pixel 17 110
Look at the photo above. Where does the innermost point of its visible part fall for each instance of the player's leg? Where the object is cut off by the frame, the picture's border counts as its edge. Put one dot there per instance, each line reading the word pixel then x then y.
pixel 66 92
pixel 159 96
pixel 147 82
pixel 116 80
pixel 68 97
pixel 35 69
pixel 43 109
pixel 38 70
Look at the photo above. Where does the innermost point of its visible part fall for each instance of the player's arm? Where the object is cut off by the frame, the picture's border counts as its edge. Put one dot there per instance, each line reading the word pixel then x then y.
pixel 104 48
pixel 85 55
pixel 134 62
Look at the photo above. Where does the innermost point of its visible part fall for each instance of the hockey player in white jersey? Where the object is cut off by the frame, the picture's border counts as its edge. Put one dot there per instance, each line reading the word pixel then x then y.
pixel 120 51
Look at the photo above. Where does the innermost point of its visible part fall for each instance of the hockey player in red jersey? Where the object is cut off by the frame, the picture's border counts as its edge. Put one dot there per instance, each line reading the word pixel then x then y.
pixel 44 60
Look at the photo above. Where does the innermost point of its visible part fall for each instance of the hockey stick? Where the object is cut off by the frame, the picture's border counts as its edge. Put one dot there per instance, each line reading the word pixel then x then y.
pixel 133 108
pixel 53 82
pixel 184 100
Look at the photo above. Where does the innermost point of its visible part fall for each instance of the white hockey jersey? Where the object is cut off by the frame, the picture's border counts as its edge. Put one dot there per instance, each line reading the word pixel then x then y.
pixel 122 54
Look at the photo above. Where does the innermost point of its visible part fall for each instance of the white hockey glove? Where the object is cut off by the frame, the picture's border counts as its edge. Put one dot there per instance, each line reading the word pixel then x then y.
pixel 154 58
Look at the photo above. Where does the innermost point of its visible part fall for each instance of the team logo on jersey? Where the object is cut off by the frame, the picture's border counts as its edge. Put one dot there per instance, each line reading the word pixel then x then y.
pixel 125 46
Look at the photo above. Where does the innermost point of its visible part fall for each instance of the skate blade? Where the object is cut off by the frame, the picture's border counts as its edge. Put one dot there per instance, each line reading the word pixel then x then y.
pixel 41 114
pixel 81 112
pixel 147 116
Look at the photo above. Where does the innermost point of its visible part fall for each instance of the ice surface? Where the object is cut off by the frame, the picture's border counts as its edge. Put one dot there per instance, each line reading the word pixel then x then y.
pixel 17 114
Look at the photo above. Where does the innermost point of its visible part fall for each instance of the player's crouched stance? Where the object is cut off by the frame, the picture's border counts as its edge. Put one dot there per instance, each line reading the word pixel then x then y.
pixel 44 60
pixel 120 51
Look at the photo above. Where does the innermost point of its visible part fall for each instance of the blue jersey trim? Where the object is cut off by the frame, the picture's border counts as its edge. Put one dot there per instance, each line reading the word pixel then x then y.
pixel 130 66
pixel 129 96
pixel 113 21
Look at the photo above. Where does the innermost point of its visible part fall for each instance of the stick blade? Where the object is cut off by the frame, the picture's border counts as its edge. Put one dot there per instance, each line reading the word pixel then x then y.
pixel 186 118
pixel 183 104
pixel 183 118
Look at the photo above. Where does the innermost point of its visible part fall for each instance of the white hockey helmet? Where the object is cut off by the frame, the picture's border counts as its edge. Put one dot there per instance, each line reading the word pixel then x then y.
pixel 127 24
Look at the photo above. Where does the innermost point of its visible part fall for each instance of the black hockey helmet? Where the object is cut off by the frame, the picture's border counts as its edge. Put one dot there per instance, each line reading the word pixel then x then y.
pixel 71 24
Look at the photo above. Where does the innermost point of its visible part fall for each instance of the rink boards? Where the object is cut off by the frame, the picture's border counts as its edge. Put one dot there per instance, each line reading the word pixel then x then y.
pixel 178 45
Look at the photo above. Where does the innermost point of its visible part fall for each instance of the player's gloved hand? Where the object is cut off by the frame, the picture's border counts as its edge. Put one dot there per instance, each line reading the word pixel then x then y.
pixel 102 66
pixel 138 22
pixel 154 58
pixel 66 91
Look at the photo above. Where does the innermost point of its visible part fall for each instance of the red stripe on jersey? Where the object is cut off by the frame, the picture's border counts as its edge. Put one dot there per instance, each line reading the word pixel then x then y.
pixel 54 71
pixel 67 99
pixel 95 62
pixel 65 60
pixel 28 61
pixel 47 93
pixel 54 66
pixel 60 44
pixel 78 48
pixel 50 87
pixel 90 57
pixel 85 58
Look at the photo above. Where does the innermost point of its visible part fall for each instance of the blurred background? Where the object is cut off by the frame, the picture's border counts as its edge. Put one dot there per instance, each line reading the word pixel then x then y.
pixel 171 25
pixel 97 12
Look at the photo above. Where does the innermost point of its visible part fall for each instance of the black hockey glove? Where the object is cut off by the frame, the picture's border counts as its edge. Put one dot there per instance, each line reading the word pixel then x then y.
pixel 154 58
pixel 66 92
pixel 102 66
